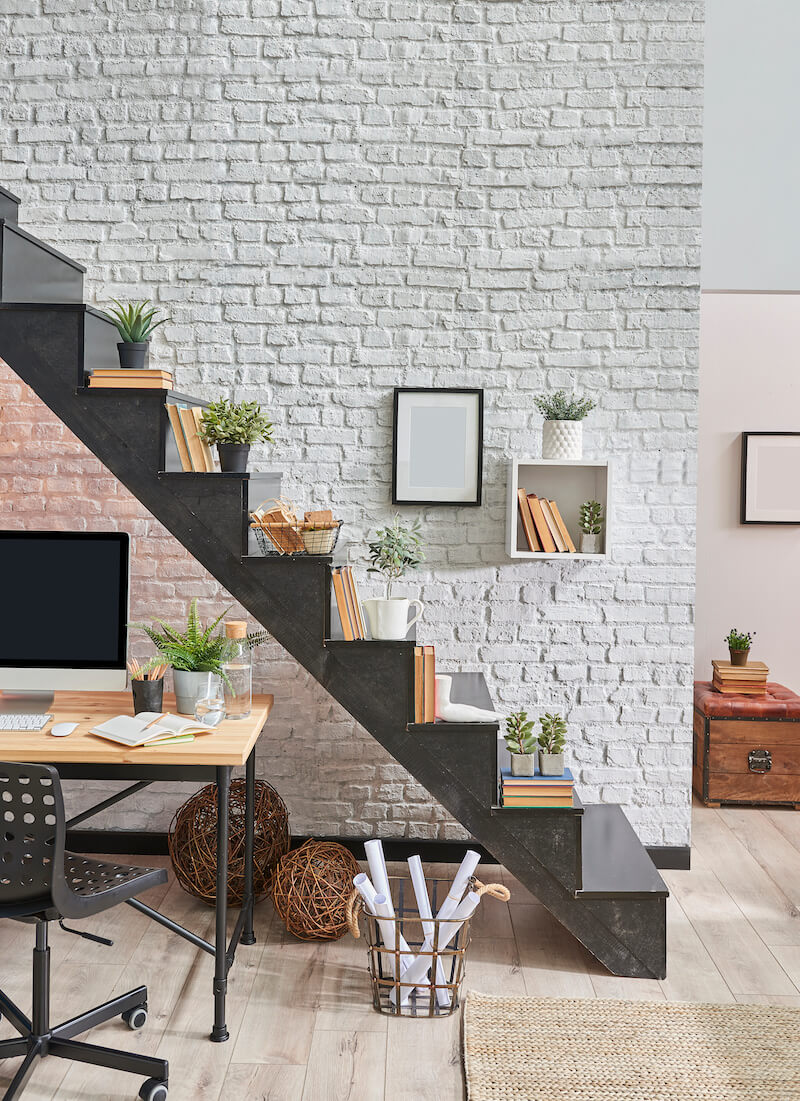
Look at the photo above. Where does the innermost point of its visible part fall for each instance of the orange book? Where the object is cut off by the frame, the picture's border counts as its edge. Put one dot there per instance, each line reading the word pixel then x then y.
pixel 527 521
pixel 208 458
pixel 559 519
pixel 362 630
pixel 561 546
pixel 192 439
pixel 342 604
pixel 542 530
pixel 429 690
pixel 347 583
pixel 180 439
pixel 128 384
pixel 419 685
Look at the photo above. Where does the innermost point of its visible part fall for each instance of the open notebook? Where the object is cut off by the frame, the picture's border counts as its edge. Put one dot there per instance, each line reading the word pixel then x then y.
pixel 149 728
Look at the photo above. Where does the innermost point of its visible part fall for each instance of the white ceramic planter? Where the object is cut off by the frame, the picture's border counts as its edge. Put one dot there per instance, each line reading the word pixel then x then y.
pixel 591 544
pixel 191 687
pixel 523 764
pixel 550 764
pixel 562 440
pixel 388 619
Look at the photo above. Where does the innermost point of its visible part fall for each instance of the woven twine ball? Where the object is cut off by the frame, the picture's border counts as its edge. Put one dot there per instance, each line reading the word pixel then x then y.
pixel 193 841
pixel 311 889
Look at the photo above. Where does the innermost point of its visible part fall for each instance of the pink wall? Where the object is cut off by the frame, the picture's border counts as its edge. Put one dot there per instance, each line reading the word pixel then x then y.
pixel 748 577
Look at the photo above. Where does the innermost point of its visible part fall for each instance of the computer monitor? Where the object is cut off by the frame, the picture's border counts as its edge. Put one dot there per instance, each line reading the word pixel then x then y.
pixel 64 599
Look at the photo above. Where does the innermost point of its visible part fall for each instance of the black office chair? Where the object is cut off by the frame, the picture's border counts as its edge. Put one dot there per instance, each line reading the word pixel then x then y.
pixel 40 882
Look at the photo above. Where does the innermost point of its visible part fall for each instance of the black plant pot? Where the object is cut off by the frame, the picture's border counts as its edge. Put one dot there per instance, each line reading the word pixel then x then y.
pixel 233 457
pixel 133 355
pixel 148 695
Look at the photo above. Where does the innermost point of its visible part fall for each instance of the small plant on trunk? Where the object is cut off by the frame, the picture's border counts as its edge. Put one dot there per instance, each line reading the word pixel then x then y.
pixel 552 740
pixel 395 550
pixel 234 427
pixel 739 643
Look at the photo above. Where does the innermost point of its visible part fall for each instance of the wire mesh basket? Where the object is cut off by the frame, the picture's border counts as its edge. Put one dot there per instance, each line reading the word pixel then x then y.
pixel 279 532
pixel 440 992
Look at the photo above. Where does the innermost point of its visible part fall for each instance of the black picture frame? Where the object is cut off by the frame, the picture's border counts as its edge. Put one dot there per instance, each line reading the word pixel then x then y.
pixel 472 392
pixel 744 484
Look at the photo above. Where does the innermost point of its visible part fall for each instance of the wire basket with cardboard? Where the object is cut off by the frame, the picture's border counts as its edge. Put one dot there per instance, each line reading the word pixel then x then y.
pixel 278 530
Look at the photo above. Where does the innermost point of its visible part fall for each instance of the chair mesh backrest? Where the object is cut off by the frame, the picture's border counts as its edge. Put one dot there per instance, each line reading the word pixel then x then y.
pixel 33 827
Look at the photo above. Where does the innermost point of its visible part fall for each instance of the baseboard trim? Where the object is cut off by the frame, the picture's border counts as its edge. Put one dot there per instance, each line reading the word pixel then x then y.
pixel 146 843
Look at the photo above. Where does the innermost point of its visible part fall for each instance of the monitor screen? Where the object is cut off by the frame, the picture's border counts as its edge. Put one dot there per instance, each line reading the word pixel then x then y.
pixel 64 600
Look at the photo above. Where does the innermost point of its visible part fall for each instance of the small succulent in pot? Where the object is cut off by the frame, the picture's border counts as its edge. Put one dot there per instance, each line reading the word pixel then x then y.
pixel 552 740
pixel 395 550
pixel 234 427
pixel 591 517
pixel 521 742
pixel 135 323
pixel 562 432
pixel 739 643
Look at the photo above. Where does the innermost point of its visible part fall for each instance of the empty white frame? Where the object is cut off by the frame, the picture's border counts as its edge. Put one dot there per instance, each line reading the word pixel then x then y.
pixel 437 446
pixel 770 478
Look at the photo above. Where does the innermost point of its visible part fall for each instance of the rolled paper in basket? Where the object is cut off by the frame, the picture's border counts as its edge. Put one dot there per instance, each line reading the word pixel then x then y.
pixel 447 931
pixel 425 912
pixel 460 884
pixel 363 885
pixel 383 909
pixel 377 868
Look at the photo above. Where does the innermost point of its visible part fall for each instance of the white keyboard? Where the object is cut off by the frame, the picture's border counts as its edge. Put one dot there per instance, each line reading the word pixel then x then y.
pixel 23 722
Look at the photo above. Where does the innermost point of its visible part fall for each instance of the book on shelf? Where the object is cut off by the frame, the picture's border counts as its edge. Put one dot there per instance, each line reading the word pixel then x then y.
pixel 555 531
pixel 349 628
pixel 107 378
pixel 424 684
pixel 554 802
pixel 559 519
pixel 356 608
pixel 208 456
pixel 149 728
pixel 527 521
pixel 538 782
pixel 199 452
pixel 180 437
pixel 541 525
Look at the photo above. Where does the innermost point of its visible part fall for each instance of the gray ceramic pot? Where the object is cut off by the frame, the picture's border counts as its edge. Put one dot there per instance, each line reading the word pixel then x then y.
pixel 523 764
pixel 191 687
pixel 551 764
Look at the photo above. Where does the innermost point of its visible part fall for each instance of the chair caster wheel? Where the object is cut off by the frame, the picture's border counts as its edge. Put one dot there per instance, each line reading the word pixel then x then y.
pixel 136 1019
pixel 153 1090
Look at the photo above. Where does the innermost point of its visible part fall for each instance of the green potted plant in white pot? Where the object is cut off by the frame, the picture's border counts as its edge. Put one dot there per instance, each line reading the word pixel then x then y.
pixel 562 431
pixel 395 550
pixel 521 742
pixel 234 427
pixel 591 516
pixel 196 655
pixel 552 740
pixel 135 323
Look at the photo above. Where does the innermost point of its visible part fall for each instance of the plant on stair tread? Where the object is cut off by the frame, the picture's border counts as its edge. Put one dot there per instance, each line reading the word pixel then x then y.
pixel 395 550
pixel 234 427
pixel 521 742
pixel 552 740
pixel 134 322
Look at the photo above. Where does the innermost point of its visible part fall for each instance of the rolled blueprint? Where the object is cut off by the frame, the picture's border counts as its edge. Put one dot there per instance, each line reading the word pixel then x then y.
pixel 363 885
pixel 447 931
pixel 385 916
pixel 377 868
pixel 424 907
pixel 459 884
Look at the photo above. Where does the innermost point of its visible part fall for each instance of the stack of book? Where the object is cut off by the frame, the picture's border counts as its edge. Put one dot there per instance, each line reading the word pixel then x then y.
pixel 129 378
pixel 543 524
pixel 740 680
pixel 194 452
pixel 424 684
pixel 536 791
pixel 348 604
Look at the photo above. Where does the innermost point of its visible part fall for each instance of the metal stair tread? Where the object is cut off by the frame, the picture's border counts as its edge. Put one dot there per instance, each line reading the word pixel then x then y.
pixel 158 394
pixel 42 245
pixel 469 688
pixel 614 862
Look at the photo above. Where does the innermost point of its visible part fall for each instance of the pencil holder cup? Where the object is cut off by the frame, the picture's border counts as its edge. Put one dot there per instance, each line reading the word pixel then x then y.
pixel 148 695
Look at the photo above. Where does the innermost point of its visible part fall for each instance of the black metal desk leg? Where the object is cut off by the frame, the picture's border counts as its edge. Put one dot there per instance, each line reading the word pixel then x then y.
pixel 248 934
pixel 219 1032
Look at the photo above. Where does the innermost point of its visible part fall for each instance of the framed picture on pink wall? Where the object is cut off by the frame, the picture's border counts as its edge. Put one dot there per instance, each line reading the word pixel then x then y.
pixel 770 478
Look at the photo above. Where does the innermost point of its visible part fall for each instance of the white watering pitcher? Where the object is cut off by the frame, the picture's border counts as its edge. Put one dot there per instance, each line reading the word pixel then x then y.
pixel 388 619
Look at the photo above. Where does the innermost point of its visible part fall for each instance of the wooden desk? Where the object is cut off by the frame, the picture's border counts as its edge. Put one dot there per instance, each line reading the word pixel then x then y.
pixel 210 757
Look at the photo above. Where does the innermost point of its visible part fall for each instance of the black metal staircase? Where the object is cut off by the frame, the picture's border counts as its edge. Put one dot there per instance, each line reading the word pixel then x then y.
pixel 585 864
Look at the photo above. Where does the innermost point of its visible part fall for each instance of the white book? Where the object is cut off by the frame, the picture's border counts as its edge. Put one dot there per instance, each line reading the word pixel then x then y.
pixel 148 727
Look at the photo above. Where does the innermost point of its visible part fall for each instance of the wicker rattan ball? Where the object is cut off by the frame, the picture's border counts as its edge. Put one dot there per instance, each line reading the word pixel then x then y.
pixel 193 841
pixel 311 889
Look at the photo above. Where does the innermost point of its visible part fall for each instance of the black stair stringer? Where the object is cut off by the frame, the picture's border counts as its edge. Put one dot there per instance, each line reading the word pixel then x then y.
pixel 289 597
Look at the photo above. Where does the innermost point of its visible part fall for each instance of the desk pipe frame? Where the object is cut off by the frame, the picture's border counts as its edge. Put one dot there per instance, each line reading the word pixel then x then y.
pixel 224 952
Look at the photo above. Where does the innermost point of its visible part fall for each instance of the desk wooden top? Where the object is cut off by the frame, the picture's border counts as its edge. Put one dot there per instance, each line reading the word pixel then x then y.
pixel 227 744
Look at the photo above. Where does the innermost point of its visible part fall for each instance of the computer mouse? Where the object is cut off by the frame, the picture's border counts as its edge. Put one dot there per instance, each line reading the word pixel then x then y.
pixel 60 730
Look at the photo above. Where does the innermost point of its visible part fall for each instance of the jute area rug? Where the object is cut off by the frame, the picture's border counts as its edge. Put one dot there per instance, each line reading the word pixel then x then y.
pixel 571 1049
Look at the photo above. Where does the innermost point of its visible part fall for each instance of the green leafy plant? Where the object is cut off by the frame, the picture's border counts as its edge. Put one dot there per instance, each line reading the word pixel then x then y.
pixel 519 734
pixel 553 737
pixel 196 649
pixel 395 550
pixel 134 322
pixel 241 422
pixel 738 640
pixel 561 406
pixel 590 517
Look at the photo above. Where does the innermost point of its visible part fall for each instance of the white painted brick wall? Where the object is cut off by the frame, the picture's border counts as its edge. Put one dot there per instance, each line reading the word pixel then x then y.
pixel 334 197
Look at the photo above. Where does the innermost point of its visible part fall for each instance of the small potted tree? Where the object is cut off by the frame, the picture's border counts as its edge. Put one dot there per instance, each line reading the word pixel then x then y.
pixel 562 431
pixel 395 550
pixel 551 744
pixel 135 323
pixel 590 520
pixel 234 427
pixel 739 645
pixel 521 743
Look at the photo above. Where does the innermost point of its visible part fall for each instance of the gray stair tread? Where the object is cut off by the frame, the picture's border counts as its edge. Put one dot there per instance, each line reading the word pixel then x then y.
pixel 613 858
pixel 469 688
pixel 160 395
pixel 394 643
pixel 576 808
pixel 10 195
pixel 57 307
pixel 42 245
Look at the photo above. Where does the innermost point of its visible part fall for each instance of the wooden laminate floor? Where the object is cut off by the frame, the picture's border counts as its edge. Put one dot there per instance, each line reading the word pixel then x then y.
pixel 302 1027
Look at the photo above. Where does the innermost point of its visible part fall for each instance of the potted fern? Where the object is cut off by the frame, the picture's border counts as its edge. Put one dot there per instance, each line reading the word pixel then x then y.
pixel 551 744
pixel 395 550
pixel 521 743
pixel 195 653
pixel 562 431
pixel 234 427
pixel 135 323
pixel 590 520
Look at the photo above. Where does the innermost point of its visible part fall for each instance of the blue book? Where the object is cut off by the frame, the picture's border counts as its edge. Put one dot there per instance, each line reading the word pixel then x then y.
pixel 538 780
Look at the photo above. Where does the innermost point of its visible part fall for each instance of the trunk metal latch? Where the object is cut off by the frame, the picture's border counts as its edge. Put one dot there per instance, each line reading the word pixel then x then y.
pixel 759 760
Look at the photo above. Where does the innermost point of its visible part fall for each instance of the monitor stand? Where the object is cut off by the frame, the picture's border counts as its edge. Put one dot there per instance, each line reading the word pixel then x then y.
pixel 25 703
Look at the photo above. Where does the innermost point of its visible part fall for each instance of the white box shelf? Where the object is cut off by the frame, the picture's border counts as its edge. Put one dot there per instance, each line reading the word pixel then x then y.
pixel 569 483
